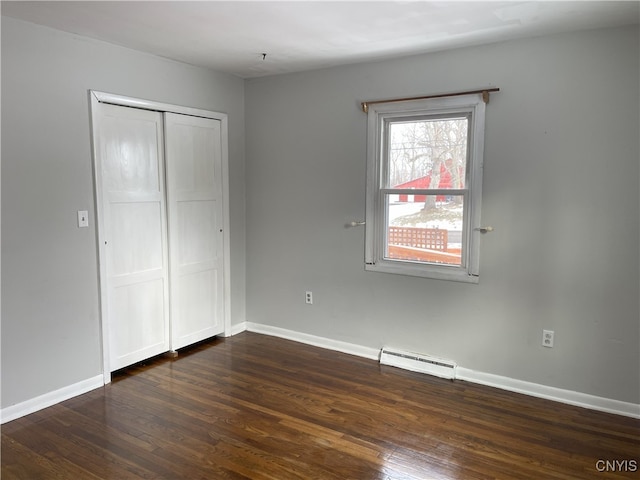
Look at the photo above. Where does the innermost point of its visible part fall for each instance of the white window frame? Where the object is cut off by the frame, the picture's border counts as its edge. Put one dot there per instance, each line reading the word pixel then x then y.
pixel 381 115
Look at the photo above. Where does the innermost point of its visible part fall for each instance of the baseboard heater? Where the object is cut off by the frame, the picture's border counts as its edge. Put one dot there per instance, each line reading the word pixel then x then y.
pixel 417 362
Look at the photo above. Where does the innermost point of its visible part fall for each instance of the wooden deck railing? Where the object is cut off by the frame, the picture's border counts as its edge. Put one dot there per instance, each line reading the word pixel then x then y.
pixel 422 245
pixel 427 238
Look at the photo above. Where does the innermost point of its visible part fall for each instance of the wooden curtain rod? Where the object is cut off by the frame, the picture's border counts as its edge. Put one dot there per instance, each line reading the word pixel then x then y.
pixel 485 96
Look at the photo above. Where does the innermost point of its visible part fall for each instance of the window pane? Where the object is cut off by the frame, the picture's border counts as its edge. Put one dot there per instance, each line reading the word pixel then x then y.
pixel 424 228
pixel 427 153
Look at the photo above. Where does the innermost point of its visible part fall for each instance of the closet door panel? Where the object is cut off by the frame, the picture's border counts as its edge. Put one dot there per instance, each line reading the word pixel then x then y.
pixel 197 297
pixel 135 243
pixel 194 193
pixel 197 225
pixel 136 308
pixel 130 160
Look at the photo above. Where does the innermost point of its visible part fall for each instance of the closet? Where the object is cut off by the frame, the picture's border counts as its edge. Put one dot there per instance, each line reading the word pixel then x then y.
pixel 162 216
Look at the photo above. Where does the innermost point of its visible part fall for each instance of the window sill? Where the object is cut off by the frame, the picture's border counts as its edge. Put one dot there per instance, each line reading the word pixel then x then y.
pixel 454 274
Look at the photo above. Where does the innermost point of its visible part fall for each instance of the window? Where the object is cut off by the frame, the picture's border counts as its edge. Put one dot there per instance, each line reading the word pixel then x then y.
pixel 424 181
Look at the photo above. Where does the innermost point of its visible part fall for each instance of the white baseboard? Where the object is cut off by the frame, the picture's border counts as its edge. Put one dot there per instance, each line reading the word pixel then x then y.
pixel 505 383
pixel 570 397
pixel 322 342
pixel 236 329
pixel 43 401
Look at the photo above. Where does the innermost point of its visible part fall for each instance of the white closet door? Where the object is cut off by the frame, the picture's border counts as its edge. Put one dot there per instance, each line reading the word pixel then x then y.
pixel 194 194
pixel 131 192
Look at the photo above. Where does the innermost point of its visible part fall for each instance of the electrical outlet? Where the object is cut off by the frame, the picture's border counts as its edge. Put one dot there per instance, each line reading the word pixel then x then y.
pixel 308 298
pixel 547 338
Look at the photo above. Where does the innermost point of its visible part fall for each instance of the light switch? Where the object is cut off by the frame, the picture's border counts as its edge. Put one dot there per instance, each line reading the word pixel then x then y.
pixel 83 218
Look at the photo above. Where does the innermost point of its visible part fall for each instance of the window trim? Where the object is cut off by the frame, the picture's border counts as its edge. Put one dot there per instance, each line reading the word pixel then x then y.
pixel 380 115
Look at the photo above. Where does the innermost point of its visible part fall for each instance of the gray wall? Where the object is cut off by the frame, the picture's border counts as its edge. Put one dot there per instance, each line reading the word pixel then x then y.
pixel 560 187
pixel 50 312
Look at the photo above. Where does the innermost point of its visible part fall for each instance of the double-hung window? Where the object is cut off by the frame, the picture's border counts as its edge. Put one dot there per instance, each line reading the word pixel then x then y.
pixel 424 182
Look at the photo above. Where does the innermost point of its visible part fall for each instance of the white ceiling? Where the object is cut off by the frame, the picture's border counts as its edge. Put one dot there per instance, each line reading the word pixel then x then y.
pixel 231 36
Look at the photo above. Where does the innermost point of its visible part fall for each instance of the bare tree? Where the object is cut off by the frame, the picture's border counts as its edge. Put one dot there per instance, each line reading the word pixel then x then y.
pixel 429 148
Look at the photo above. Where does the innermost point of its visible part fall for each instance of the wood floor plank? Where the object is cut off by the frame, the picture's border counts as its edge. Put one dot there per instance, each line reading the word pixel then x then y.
pixel 263 408
pixel 20 463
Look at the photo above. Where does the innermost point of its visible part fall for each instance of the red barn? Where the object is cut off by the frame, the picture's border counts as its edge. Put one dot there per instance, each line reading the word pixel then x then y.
pixel 425 182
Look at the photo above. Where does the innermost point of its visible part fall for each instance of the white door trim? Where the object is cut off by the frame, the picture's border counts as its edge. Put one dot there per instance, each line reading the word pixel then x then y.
pixel 96 98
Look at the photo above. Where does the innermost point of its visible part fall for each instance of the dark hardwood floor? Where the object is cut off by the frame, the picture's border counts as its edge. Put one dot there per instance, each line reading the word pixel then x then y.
pixel 258 407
